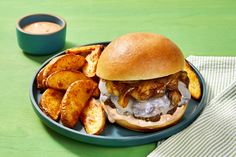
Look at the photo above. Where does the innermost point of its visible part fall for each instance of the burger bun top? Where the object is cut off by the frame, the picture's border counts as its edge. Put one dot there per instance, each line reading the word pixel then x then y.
pixel 139 56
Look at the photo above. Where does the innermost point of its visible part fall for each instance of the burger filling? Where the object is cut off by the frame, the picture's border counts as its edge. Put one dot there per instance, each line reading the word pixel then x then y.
pixel 146 99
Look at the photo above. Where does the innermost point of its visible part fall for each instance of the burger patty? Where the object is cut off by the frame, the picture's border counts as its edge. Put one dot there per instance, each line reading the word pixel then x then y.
pixel 157 116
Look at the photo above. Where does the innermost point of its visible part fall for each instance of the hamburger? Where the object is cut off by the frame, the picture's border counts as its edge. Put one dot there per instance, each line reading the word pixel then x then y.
pixel 143 85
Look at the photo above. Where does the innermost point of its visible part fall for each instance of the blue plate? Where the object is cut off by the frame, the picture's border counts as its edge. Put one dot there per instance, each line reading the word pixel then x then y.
pixel 114 135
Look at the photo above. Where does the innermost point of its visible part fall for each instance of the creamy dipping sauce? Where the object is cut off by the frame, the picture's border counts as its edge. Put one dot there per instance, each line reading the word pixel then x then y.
pixel 41 27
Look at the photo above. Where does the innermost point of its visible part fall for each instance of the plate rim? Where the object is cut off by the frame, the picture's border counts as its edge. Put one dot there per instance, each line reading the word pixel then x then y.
pixel 74 134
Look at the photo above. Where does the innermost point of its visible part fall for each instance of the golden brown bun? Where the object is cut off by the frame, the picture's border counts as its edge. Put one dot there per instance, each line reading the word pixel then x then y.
pixel 132 123
pixel 139 56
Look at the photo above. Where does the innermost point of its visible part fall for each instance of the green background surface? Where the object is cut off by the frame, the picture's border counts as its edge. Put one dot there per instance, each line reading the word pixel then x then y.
pixel 201 27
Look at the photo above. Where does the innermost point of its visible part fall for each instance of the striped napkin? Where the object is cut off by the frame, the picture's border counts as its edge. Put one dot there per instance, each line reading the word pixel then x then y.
pixel 214 131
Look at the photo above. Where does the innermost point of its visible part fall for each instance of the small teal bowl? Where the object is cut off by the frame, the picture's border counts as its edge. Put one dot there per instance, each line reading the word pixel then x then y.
pixel 41 44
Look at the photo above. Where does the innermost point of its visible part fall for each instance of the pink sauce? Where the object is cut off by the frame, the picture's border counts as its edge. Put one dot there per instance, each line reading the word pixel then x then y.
pixel 42 27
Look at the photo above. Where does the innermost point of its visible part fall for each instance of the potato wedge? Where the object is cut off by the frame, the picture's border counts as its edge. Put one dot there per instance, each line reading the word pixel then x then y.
pixel 89 69
pixel 39 79
pixel 63 62
pixel 83 50
pixel 74 101
pixel 50 102
pixel 194 83
pixel 63 79
pixel 93 117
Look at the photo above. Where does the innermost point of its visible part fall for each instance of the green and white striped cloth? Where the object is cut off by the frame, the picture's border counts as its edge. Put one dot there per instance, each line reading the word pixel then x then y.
pixel 214 131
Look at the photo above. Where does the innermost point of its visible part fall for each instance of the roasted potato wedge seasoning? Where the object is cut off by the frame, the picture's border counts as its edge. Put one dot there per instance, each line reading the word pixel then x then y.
pixel 194 83
pixel 64 62
pixel 89 69
pixel 62 79
pixel 93 117
pixel 74 101
pixel 50 102
pixel 83 50
pixel 39 78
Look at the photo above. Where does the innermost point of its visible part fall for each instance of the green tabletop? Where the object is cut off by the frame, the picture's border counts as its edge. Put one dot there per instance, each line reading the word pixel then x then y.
pixel 202 27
